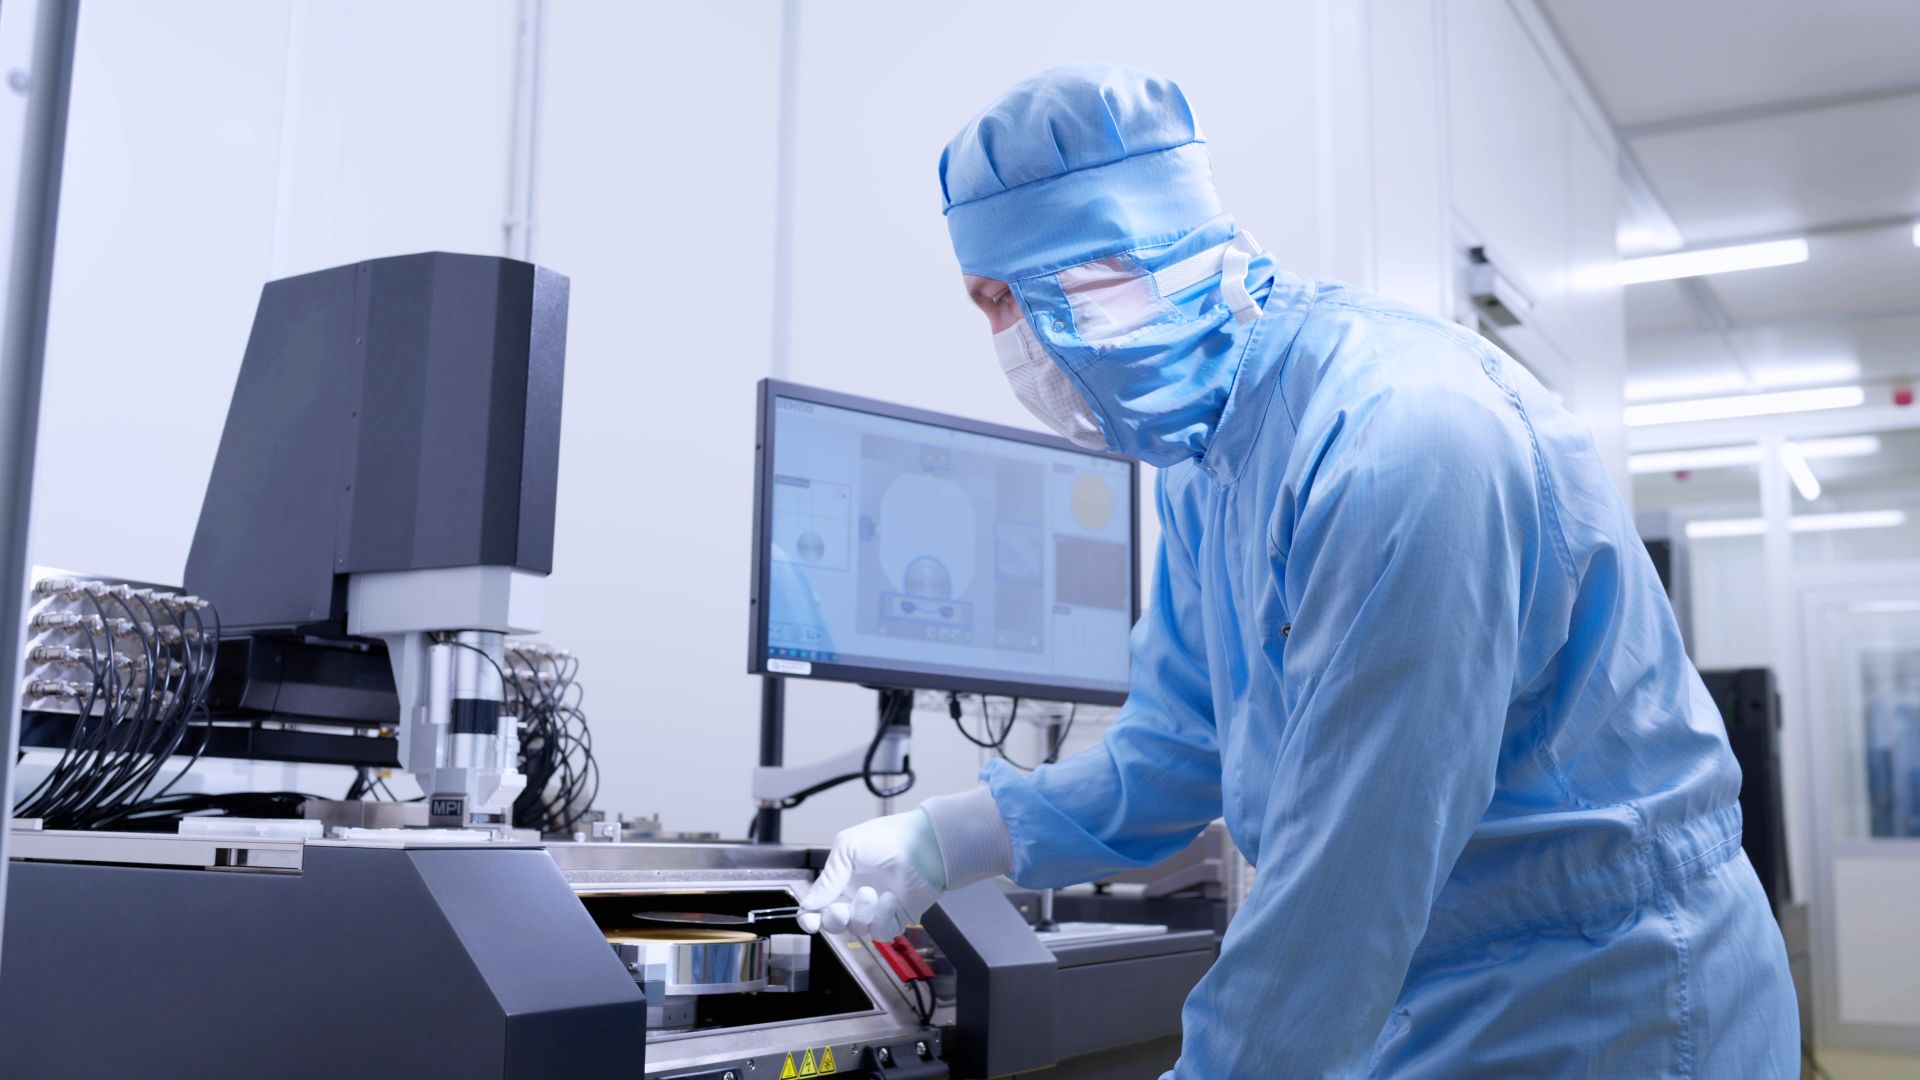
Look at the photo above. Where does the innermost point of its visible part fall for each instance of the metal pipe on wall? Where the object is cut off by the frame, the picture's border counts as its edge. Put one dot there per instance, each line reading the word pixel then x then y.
pixel 36 62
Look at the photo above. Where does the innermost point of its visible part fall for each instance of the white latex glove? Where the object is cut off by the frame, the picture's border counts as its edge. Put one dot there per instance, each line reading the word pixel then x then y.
pixel 880 875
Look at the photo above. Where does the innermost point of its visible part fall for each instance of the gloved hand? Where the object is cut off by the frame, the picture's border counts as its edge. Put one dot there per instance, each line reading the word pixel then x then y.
pixel 887 872
pixel 880 875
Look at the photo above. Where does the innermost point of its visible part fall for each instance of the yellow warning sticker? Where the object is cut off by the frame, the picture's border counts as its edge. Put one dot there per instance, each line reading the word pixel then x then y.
pixel 826 1061
pixel 807 1066
pixel 787 1071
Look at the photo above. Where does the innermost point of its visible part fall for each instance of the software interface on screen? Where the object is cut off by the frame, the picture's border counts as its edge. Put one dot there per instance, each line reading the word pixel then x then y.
pixel 913 547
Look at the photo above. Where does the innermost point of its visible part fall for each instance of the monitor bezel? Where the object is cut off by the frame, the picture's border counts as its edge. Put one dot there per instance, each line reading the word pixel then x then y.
pixel 761 554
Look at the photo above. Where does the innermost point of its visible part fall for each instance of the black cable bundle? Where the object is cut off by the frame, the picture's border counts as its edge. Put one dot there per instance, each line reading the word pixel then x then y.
pixel 556 748
pixel 150 658
pixel 996 741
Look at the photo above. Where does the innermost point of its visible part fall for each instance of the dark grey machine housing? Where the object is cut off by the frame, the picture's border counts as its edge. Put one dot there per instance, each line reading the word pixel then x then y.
pixel 1078 1011
pixel 395 414
pixel 474 962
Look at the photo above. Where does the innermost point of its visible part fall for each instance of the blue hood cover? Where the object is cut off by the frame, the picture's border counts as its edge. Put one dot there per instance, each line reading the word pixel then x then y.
pixel 1087 162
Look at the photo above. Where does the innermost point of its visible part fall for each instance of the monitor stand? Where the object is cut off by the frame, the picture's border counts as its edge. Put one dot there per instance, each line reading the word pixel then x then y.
pixel 778 787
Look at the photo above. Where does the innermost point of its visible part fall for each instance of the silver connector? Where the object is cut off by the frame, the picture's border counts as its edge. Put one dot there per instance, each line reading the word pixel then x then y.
pixel 67 655
pixel 56 620
pixel 56 586
pixel 53 688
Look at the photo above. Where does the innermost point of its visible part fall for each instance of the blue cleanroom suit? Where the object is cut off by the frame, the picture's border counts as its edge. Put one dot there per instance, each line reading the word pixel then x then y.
pixel 1401 635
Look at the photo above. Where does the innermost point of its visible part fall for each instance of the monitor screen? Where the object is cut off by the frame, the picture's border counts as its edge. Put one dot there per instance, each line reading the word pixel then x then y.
pixel 904 548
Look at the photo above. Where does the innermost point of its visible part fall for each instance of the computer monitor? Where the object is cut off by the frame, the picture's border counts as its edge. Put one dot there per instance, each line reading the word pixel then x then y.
pixel 897 547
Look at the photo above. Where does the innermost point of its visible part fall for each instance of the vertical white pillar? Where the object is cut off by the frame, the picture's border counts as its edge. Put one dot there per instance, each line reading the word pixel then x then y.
pixel 1783 652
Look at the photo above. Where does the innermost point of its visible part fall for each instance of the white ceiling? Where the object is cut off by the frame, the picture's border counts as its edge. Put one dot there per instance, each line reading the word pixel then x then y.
pixel 1789 171
pixel 1654 60
pixel 1758 118
pixel 1753 119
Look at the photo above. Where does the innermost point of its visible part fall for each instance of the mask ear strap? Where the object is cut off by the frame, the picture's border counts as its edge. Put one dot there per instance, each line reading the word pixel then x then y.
pixel 1230 261
pixel 1233 284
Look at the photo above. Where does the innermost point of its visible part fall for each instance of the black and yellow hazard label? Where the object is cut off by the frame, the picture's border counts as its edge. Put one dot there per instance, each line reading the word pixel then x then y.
pixel 824 1065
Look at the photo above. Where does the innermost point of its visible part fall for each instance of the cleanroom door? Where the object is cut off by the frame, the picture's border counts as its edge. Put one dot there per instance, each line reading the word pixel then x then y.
pixel 1860 639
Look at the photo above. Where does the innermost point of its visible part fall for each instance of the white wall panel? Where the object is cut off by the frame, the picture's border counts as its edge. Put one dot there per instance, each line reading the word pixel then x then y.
pixel 1595 325
pixel 1507 151
pixel 166 224
pixel 1878 953
pixel 397 130
pixel 654 191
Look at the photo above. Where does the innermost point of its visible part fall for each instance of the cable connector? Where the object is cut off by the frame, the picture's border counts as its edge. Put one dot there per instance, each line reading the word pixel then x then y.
pixel 56 620
pixel 67 655
pixel 54 688
pixel 56 586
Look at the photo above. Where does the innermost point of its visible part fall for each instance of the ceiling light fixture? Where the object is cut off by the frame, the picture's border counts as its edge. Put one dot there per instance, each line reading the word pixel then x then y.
pixel 1720 260
pixel 1883 607
pixel 1723 457
pixel 1843 446
pixel 1728 408
pixel 1707 457
pixel 1799 471
pixel 1719 528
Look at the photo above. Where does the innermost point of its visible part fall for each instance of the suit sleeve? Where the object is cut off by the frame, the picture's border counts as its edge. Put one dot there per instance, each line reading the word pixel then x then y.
pixel 1153 783
pixel 1403 561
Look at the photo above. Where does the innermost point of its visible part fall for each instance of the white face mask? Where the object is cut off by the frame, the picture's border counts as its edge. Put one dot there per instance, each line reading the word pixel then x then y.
pixel 1044 389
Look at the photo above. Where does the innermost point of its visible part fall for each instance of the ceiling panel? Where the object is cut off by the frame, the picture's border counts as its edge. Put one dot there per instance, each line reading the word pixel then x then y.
pixel 1674 366
pixel 1789 172
pixel 1897 462
pixel 1877 350
pixel 1656 59
pixel 1731 492
pixel 1658 305
pixel 1845 273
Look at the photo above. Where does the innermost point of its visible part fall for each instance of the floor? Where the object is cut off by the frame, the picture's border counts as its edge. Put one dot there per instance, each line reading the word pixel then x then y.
pixel 1865 1065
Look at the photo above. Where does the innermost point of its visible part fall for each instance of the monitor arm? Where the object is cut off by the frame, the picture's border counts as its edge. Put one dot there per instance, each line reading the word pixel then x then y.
pixel 773 785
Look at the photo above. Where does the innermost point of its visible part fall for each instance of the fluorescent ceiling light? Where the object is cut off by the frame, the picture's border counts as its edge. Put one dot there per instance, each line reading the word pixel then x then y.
pixel 1801 473
pixel 1720 260
pixel 1815 373
pixel 1708 457
pixel 1916 234
pixel 1859 519
pixel 1723 457
pixel 1723 383
pixel 1862 519
pixel 1727 408
pixel 1883 607
pixel 1691 386
pixel 1840 447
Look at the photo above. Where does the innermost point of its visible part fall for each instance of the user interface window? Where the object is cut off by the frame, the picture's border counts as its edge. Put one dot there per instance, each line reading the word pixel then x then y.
pixel 913 547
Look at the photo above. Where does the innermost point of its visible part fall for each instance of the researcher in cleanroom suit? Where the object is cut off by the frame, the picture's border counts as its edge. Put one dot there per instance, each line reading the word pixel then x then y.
pixel 1402 637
